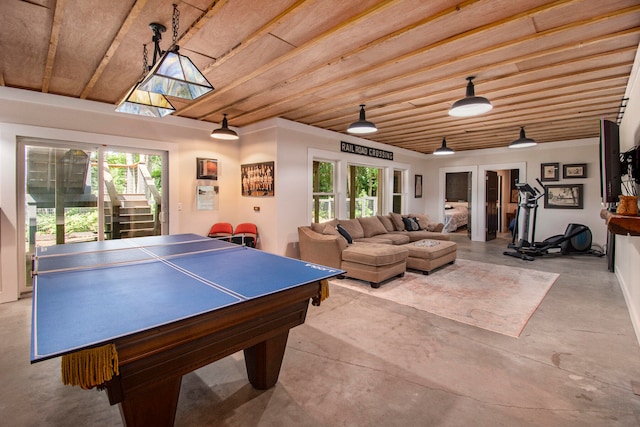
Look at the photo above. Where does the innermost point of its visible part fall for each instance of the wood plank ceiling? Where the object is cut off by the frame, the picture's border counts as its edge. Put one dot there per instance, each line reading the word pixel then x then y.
pixel 555 67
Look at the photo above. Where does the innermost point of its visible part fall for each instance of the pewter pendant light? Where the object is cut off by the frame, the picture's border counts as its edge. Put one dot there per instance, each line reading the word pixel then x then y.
pixel 443 150
pixel 142 102
pixel 174 74
pixel 523 141
pixel 470 105
pixel 224 132
pixel 362 126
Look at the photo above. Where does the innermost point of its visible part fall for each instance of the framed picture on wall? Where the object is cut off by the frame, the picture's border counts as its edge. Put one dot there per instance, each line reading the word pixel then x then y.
pixel 564 196
pixel 418 186
pixel 258 180
pixel 206 168
pixel 576 170
pixel 549 171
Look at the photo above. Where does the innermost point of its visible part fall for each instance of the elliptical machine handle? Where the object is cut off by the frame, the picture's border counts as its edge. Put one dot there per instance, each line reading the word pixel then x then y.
pixel 541 185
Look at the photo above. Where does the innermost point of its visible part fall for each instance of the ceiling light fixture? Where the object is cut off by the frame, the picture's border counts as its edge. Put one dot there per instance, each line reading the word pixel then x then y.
pixel 523 141
pixel 144 103
pixel 224 132
pixel 470 105
pixel 443 150
pixel 174 74
pixel 362 126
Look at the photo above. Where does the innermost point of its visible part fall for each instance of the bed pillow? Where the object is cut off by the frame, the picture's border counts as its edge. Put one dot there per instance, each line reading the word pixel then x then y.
pixel 344 233
pixel 411 224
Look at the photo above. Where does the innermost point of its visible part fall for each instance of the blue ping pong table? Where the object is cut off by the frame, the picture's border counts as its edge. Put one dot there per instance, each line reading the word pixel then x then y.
pixel 170 305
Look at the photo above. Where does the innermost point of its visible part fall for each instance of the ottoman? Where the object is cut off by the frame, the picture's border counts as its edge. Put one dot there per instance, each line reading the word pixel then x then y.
pixel 426 255
pixel 374 262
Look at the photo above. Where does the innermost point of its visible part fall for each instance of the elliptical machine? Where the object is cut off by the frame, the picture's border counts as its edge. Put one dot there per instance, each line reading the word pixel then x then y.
pixel 577 238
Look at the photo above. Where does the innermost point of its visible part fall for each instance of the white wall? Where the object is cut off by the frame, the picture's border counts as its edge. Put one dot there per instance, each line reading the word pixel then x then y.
pixel 550 221
pixel 32 114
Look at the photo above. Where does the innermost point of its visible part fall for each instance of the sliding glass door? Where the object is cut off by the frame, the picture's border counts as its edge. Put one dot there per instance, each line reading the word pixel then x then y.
pixel 76 192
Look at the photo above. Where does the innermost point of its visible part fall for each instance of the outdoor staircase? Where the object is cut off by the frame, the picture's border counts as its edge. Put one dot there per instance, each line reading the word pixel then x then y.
pixel 136 217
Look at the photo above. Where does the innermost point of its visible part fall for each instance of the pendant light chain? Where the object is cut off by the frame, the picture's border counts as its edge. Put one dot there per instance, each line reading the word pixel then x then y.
pixel 145 59
pixel 175 21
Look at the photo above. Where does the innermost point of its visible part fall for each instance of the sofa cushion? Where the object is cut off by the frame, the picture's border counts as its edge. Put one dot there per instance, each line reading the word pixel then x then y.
pixel 386 221
pixel 344 233
pixel 397 221
pixel 372 226
pixel 353 227
pixel 410 224
pixel 396 238
pixel 318 227
pixel 374 254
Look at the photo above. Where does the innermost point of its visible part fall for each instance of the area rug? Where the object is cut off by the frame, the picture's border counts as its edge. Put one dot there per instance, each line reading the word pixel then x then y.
pixel 489 296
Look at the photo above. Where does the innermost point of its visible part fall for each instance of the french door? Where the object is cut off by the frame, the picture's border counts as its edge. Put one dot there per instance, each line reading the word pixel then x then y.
pixel 76 192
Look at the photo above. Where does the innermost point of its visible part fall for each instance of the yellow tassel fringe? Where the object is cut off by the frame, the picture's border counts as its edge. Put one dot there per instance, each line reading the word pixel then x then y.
pixel 324 290
pixel 90 368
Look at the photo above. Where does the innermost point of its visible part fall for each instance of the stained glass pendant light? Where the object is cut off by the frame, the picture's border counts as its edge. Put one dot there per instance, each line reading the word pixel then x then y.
pixel 174 74
pixel 470 105
pixel 142 102
pixel 362 126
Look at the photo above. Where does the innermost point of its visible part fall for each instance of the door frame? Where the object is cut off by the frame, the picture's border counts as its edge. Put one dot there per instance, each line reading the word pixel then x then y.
pixel 481 195
pixel 12 280
pixel 473 203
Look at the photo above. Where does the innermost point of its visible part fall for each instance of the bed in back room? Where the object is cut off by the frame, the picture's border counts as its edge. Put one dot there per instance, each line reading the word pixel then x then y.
pixel 456 215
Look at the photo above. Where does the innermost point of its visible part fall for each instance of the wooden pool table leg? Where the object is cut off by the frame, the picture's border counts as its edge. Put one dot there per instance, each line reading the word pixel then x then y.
pixel 263 361
pixel 155 406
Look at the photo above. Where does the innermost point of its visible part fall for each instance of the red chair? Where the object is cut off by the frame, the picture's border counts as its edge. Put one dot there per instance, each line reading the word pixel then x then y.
pixel 221 230
pixel 246 234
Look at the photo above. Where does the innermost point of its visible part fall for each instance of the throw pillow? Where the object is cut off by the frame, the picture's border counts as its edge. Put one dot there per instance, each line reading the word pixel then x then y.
pixel 330 230
pixel 372 226
pixel 344 233
pixel 353 227
pixel 386 221
pixel 411 224
pixel 397 221
pixel 423 220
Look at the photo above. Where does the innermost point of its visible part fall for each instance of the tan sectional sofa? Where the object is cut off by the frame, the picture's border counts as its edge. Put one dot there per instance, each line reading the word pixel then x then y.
pixel 376 251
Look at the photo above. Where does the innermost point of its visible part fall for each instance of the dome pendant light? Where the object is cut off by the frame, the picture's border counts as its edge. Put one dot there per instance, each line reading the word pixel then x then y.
pixel 362 126
pixel 523 141
pixel 224 132
pixel 470 105
pixel 443 150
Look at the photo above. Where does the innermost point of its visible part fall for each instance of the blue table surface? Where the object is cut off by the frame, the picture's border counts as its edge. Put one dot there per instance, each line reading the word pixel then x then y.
pixel 105 296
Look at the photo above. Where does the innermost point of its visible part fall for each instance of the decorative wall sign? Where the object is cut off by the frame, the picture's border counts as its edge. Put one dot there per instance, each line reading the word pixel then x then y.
pixel 576 170
pixel 207 197
pixel 258 179
pixel 348 147
pixel 564 196
pixel 206 168
pixel 549 171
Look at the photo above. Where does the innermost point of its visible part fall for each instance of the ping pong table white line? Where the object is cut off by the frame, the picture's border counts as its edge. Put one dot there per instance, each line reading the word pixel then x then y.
pixel 35 270
pixel 131 244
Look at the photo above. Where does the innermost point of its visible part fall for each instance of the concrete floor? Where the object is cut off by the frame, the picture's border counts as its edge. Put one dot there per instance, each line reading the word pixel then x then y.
pixel 364 361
